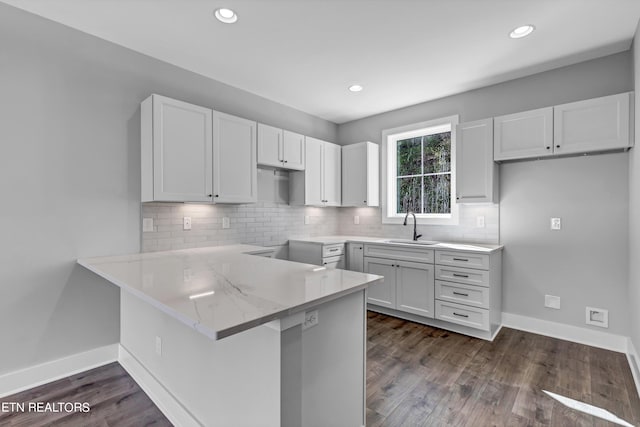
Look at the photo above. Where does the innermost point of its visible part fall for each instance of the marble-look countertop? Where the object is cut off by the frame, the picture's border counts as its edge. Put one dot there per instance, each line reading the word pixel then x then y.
pixel 457 246
pixel 223 290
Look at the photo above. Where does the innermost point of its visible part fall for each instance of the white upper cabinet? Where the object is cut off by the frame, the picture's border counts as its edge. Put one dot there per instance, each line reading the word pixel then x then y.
pixel 235 169
pixel 331 174
pixel 360 174
pixel 175 151
pixel 280 148
pixel 522 135
pixel 320 182
pixel 592 125
pixel 476 172
pixel 269 145
pixel 293 150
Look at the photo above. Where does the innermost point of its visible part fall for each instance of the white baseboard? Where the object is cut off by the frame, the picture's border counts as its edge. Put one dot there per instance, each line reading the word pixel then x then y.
pixel 34 376
pixel 634 363
pixel 163 399
pixel 565 332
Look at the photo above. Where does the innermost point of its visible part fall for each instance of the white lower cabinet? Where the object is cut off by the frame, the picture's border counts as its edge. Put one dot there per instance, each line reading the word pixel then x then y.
pixel 408 286
pixel 456 290
pixel 355 256
pixel 330 256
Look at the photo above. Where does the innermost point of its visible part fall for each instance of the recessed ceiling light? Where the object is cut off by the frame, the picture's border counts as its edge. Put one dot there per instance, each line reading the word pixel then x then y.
pixel 355 88
pixel 225 15
pixel 522 31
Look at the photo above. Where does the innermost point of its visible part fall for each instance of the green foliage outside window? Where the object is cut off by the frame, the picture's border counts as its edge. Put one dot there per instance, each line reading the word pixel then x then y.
pixel 424 174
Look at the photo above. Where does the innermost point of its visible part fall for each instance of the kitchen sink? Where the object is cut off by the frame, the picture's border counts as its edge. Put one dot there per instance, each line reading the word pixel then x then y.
pixel 413 242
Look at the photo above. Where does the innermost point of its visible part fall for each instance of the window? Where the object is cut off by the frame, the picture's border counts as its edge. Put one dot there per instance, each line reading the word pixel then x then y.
pixel 419 172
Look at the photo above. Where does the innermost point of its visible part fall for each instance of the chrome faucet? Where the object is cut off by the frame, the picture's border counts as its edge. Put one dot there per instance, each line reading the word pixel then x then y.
pixel 416 236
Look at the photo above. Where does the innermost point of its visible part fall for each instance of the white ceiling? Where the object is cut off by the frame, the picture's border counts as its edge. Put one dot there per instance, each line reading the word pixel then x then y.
pixel 305 53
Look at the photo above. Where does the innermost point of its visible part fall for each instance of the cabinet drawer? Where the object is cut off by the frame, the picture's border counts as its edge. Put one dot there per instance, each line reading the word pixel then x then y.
pixel 463 259
pixel 462 294
pixel 332 250
pixel 477 318
pixel 467 276
pixel 333 262
pixel 401 254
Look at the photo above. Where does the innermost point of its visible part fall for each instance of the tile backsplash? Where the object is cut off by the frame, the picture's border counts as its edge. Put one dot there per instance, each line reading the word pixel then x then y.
pixel 271 222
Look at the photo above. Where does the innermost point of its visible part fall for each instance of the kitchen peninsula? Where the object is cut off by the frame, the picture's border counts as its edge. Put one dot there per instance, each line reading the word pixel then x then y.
pixel 243 340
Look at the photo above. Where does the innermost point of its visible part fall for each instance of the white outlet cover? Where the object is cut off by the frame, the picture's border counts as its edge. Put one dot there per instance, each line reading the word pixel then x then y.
pixel 480 221
pixel 186 223
pixel 310 319
pixel 307 220
pixel 356 219
pixel 597 317
pixel 556 223
pixel 225 222
pixel 552 301
pixel 159 346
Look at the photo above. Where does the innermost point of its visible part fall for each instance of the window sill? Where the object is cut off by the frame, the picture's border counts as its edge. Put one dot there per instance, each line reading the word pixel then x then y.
pixel 451 220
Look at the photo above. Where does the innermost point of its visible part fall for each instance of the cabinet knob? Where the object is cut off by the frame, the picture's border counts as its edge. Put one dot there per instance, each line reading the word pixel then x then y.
pixel 286 161
pixel 210 195
pixel 557 146
pixel 548 147
pixel 365 201
pixel 217 195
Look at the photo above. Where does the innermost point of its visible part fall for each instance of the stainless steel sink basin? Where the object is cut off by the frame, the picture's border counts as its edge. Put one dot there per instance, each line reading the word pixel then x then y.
pixel 413 242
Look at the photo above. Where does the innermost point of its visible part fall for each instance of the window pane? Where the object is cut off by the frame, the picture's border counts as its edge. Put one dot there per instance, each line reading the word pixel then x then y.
pixel 409 195
pixel 409 156
pixel 437 194
pixel 437 152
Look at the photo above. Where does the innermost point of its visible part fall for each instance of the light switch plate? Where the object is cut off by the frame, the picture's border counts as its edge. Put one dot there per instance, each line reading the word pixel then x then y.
pixel 307 220
pixel 556 223
pixel 356 219
pixel 147 225
pixel 225 222
pixel 186 223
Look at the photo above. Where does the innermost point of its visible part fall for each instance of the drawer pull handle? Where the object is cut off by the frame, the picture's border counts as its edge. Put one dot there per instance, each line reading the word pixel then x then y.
pixel 460 315
pixel 460 259
pixel 466 276
pixel 334 250
pixel 460 293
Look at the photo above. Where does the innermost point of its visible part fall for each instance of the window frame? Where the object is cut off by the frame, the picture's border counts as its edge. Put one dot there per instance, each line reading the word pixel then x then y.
pixel 389 170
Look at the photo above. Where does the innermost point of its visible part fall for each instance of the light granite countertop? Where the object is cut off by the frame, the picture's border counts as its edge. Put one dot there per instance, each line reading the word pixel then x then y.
pixel 224 290
pixel 457 246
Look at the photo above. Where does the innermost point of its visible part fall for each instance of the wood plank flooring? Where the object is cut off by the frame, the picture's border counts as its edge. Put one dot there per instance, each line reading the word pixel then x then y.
pixel 416 376
pixel 423 376
pixel 114 398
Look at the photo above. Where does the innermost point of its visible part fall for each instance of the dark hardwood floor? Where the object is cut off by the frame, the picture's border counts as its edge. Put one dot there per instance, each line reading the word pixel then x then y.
pixel 416 376
pixel 423 376
pixel 114 398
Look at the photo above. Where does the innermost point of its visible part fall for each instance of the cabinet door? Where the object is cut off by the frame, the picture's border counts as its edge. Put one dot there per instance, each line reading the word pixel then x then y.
pixel 523 135
pixel 332 167
pixel 269 146
pixel 234 156
pixel 355 257
pixel 354 175
pixel 313 172
pixel 293 150
pixel 181 140
pixel 592 125
pixel 383 293
pixel 415 288
pixel 476 172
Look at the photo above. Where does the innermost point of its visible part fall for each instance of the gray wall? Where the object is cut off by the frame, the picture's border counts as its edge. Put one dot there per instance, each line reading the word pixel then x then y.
pixel 70 176
pixel 634 209
pixel 586 262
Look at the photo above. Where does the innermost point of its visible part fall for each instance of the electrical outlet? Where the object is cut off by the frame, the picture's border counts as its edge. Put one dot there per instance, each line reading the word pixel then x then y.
pixel 187 275
pixel 159 346
pixel 480 221
pixel 225 222
pixel 310 319
pixel 552 301
pixel 597 317
pixel 186 223
pixel 356 219
pixel 147 225
pixel 556 223
pixel 307 220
